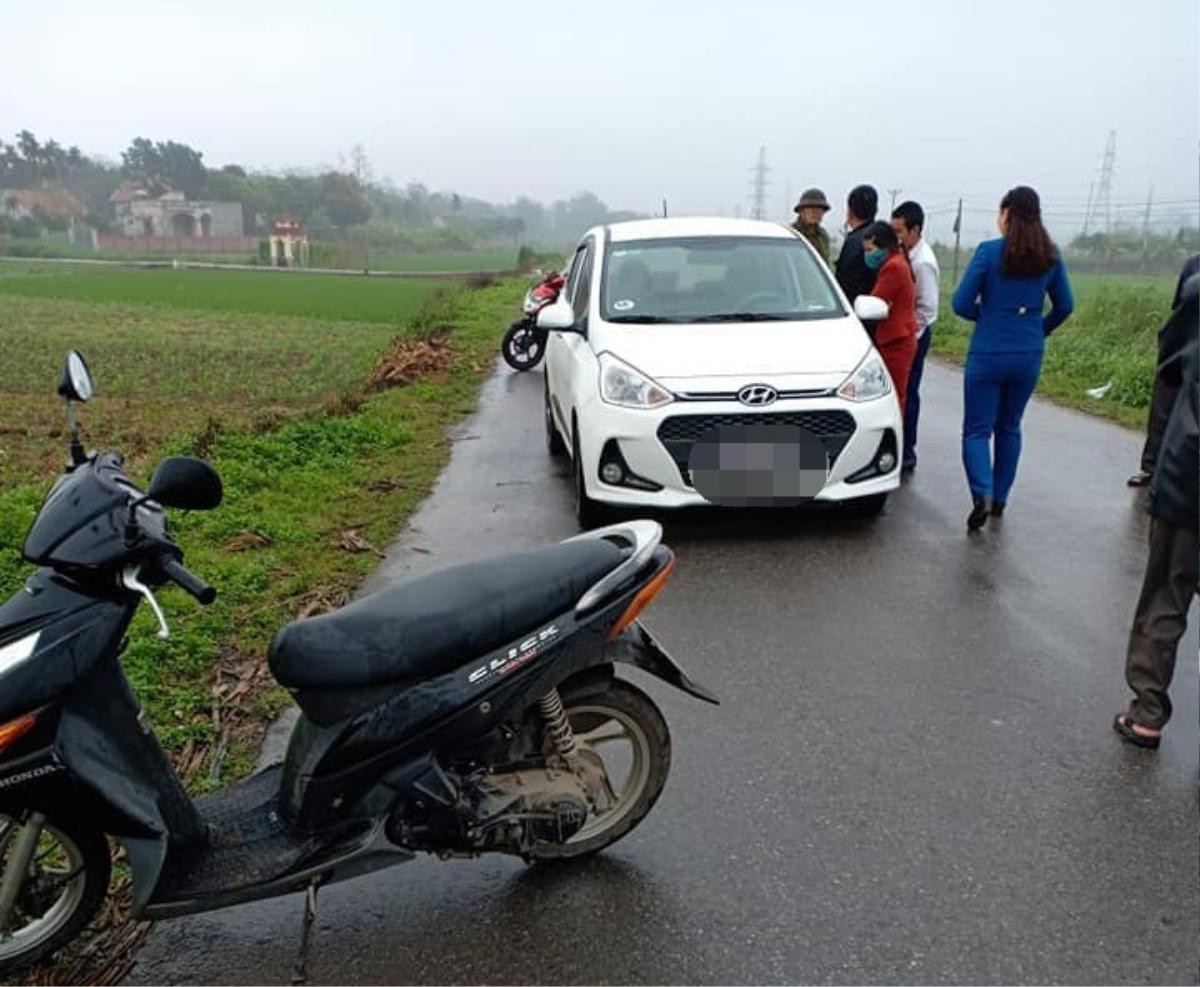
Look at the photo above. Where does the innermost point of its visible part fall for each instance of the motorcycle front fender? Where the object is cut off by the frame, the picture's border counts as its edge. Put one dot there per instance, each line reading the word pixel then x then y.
pixel 637 646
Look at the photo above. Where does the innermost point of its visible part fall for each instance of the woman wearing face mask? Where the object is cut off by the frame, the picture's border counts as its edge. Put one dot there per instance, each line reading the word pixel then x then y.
pixel 1003 292
pixel 895 336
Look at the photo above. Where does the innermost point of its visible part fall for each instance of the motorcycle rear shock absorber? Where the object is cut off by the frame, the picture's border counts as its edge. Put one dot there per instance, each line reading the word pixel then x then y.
pixel 559 728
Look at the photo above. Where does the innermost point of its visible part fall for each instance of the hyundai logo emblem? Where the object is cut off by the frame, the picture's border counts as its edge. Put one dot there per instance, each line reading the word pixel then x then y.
pixel 757 395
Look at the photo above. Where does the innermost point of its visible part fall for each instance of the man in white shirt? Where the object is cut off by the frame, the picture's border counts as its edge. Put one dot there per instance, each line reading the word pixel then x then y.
pixel 908 220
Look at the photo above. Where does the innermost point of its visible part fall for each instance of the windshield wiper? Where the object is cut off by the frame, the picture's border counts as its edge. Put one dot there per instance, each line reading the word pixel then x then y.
pixel 642 319
pixel 749 317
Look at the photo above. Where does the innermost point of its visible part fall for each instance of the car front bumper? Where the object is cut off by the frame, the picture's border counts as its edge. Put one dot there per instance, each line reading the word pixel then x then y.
pixel 655 444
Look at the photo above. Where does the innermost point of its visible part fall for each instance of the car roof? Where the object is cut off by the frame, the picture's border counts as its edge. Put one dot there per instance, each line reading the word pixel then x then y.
pixel 694 226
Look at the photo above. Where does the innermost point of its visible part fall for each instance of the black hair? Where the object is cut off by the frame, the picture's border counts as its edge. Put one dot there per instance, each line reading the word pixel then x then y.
pixel 863 202
pixel 883 235
pixel 912 214
pixel 1028 250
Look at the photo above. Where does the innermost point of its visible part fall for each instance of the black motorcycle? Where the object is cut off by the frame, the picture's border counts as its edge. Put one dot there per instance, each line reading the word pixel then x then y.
pixel 472 710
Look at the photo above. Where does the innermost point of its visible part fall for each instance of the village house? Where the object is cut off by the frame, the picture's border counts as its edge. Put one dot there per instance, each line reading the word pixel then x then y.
pixel 23 203
pixel 172 214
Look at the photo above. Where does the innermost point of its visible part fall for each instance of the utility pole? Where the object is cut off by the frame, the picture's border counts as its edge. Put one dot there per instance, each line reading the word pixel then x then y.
pixel 1107 168
pixel 759 186
pixel 957 241
pixel 894 192
pixel 1146 230
pixel 664 208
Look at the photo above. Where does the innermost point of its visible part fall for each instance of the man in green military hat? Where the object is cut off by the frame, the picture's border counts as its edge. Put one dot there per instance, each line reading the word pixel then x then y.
pixel 810 210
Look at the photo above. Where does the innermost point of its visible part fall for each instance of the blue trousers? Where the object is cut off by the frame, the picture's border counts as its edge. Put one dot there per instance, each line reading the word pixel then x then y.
pixel 912 399
pixel 996 388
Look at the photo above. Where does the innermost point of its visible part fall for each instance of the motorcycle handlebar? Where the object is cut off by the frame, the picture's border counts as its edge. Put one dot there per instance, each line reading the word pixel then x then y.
pixel 188 582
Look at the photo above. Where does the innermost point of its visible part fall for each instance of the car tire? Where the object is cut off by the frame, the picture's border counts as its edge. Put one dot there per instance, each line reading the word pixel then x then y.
pixel 588 512
pixel 867 506
pixel 554 442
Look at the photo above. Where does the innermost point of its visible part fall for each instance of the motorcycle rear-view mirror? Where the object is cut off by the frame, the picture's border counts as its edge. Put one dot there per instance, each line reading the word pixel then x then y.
pixel 75 383
pixel 186 482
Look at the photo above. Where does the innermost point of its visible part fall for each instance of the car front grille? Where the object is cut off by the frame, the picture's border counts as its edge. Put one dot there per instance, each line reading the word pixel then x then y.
pixel 680 432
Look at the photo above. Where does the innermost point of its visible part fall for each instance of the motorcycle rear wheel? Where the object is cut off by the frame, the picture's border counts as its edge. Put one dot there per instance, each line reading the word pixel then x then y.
pixel 64 886
pixel 523 345
pixel 621 713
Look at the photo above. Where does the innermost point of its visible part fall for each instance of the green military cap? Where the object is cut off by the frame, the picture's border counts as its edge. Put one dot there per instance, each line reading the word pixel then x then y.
pixel 812 197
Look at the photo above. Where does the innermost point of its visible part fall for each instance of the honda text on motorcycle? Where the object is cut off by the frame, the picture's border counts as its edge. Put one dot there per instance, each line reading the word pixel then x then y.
pixel 472 710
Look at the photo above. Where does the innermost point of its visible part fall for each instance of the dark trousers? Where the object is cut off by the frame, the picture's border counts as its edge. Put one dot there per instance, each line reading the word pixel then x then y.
pixel 1172 571
pixel 1162 400
pixel 912 409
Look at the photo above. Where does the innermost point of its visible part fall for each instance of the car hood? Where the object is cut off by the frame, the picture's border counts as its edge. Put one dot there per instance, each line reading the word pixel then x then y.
pixel 817 354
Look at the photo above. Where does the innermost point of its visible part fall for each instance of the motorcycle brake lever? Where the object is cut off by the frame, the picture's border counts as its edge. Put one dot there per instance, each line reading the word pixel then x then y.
pixel 130 580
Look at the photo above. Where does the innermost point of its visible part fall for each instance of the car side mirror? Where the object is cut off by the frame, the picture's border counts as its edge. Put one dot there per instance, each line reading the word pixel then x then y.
pixel 557 317
pixel 870 309
pixel 183 481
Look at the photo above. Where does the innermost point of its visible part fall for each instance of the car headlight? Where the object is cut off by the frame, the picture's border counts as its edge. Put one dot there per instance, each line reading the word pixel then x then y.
pixel 621 385
pixel 869 381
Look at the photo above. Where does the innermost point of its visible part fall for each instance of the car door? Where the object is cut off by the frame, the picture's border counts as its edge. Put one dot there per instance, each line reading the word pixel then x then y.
pixel 568 354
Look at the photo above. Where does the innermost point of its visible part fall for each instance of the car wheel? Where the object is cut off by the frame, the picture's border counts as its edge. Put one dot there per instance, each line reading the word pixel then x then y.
pixel 554 442
pixel 867 506
pixel 588 513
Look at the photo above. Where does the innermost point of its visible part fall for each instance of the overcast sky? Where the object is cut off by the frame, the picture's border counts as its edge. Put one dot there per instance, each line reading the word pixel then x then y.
pixel 638 100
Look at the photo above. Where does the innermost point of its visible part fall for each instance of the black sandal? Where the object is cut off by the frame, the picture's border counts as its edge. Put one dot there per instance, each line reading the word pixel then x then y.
pixel 1126 732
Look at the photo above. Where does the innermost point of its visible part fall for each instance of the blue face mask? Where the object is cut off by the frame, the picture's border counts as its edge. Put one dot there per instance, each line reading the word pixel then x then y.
pixel 875 258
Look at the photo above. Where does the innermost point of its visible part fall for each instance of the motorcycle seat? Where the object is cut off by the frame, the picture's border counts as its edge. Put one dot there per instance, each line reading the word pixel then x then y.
pixel 435 623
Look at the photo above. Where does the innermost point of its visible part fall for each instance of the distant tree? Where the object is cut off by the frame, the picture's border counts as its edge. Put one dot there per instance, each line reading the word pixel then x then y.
pixel 167 163
pixel 233 169
pixel 342 198
pixel 183 168
pixel 360 165
pixel 141 159
pixel 29 147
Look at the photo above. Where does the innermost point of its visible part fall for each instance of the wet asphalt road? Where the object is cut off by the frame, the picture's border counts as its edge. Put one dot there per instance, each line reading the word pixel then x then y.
pixel 912 777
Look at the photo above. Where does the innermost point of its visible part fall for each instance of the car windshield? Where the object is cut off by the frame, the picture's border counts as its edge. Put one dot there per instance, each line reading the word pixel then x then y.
pixel 715 279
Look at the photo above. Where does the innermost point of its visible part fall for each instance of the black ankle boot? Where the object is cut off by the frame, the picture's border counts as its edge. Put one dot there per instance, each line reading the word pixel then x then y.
pixel 998 508
pixel 979 514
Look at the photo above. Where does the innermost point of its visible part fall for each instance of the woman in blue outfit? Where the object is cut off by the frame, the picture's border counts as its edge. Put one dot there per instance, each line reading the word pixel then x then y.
pixel 1003 291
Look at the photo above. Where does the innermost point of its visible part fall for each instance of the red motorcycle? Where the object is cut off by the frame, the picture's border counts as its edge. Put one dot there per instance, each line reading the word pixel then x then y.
pixel 524 344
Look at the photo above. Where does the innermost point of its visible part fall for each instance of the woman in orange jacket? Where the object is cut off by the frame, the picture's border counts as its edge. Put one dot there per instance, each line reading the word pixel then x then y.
pixel 895 336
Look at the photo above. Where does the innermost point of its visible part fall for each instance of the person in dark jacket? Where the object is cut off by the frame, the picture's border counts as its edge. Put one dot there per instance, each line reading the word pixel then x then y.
pixel 810 210
pixel 1173 565
pixel 1003 291
pixel 895 336
pixel 1162 397
pixel 851 270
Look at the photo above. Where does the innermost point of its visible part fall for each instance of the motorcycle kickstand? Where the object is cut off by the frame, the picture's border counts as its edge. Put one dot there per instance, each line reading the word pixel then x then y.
pixel 300 972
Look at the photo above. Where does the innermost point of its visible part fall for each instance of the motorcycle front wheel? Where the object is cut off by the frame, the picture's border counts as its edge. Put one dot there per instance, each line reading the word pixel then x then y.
pixel 53 876
pixel 523 345
pixel 624 727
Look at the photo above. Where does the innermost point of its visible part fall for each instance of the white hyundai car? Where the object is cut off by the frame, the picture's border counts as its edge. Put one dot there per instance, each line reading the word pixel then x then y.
pixel 695 361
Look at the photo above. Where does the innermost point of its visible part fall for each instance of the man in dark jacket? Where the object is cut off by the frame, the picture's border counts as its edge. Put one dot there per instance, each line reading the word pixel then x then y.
pixel 852 272
pixel 1162 398
pixel 1173 568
